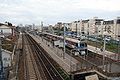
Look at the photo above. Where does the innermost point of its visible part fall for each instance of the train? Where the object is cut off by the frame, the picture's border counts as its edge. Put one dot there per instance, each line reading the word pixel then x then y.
pixel 79 47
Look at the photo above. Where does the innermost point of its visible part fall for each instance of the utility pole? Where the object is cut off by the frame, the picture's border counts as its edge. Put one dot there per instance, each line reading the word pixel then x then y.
pixel 64 41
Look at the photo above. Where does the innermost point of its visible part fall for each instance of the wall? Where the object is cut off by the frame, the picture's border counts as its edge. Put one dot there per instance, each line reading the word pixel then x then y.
pixel 5 29
pixel 6 57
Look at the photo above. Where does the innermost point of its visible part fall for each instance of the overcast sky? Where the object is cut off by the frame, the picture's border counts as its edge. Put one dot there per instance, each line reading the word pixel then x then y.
pixel 53 11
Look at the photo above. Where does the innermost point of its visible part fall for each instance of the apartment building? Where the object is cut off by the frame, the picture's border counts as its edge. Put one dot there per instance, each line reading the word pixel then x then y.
pixel 74 26
pixel 109 28
pixel 112 28
pixel 97 26
pixel 58 25
pixel 118 27
pixel 85 27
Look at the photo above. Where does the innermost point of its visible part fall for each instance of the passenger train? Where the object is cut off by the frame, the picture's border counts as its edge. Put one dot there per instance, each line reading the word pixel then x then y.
pixel 72 44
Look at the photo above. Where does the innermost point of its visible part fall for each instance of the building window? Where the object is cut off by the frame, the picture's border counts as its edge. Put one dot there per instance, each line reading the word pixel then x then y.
pixel 9 59
pixel 109 29
pixel 105 28
pixel 5 59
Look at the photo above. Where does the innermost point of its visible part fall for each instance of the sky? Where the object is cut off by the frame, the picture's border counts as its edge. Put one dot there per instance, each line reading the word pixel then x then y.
pixel 53 11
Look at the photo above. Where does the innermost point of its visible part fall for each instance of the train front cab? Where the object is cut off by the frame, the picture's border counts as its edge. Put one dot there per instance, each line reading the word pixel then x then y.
pixel 81 48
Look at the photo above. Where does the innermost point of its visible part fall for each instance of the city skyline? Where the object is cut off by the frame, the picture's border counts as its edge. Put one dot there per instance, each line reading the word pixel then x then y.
pixel 52 11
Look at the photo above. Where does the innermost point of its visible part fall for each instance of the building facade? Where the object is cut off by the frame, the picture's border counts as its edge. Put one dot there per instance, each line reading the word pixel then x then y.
pixel 6 58
pixel 97 26
pixel 74 26
pixel 7 30
pixel 112 28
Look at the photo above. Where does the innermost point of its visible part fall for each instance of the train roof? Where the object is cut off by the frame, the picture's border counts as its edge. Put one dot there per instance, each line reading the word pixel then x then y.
pixel 69 39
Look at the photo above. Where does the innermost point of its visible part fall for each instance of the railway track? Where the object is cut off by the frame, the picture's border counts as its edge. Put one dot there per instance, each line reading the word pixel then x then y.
pixel 94 58
pixel 30 67
pixel 41 62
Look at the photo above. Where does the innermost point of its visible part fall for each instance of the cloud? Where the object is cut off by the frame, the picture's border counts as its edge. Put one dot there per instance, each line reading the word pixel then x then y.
pixel 52 11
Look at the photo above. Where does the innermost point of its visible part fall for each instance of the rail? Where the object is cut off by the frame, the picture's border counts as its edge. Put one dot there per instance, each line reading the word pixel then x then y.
pixel 46 62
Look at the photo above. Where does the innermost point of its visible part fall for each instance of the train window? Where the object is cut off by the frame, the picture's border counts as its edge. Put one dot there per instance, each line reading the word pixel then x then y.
pixel 76 45
pixel 81 45
pixel 85 44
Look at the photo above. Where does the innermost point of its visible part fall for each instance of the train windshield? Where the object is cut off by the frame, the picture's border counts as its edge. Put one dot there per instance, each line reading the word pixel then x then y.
pixel 81 45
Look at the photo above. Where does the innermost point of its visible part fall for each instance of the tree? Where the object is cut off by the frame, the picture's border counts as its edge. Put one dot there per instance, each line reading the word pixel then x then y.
pixel 9 24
